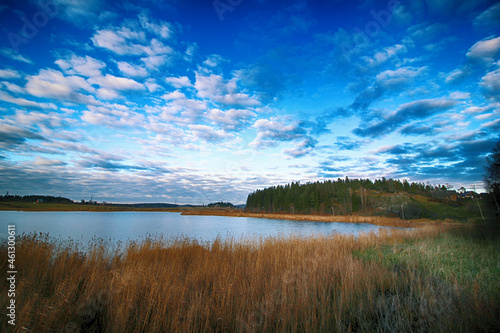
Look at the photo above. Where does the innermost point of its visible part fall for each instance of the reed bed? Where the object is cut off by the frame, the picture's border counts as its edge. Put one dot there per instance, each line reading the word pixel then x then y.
pixel 290 284
pixel 377 220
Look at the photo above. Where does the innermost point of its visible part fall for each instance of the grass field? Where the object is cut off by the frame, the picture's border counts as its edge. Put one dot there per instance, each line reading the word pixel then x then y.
pixel 432 279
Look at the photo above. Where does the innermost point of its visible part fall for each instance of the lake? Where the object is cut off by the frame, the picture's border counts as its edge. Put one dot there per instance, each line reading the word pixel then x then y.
pixel 122 226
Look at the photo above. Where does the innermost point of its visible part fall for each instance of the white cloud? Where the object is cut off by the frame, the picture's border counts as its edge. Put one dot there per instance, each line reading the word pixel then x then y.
pixel 108 94
pixel 50 83
pixel 41 161
pixel 13 87
pixel 137 38
pixel 9 74
pixel 474 110
pixel 301 149
pixel 179 82
pixel 403 75
pixel 174 95
pixel 457 74
pixel 214 88
pixel 459 95
pixel 214 60
pixel 121 42
pixel 24 102
pixel 156 47
pixel 131 69
pixel 208 133
pixel 154 61
pixel 270 132
pixel 116 83
pixel 152 85
pixel 383 56
pixel 45 119
pixel 485 50
pixel 85 66
pixel 230 119
pixel 162 29
pixel 113 115
pixel 10 53
pixel 491 82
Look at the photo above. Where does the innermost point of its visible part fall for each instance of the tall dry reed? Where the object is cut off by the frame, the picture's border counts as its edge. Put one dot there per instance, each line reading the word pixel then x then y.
pixel 265 285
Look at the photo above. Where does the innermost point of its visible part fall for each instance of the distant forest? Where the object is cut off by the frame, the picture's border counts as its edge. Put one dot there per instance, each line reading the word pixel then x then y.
pixel 34 198
pixel 344 196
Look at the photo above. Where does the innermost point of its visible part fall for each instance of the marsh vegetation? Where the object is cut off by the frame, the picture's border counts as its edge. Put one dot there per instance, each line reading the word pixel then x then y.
pixel 431 279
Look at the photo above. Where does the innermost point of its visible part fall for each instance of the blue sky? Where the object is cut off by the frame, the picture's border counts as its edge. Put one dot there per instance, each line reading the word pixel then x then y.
pixel 201 101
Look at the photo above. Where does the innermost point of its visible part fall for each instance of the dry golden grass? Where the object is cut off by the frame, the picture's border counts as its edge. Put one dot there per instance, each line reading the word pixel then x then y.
pixel 265 285
pixel 377 220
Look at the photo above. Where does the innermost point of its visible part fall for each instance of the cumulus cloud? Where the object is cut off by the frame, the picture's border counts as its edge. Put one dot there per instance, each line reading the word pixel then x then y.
pixel 301 149
pixel 215 88
pixel 25 103
pixel 137 38
pixel 161 29
pixel 8 73
pixel 13 87
pixel 154 62
pixel 272 131
pixel 84 66
pixel 41 161
pixel 174 95
pixel 113 115
pixel 131 69
pixel 50 83
pixel 398 77
pixel 230 119
pixel 120 41
pixel 115 82
pixel 110 85
pixel 40 119
pixel 458 75
pixel 152 85
pixel 491 84
pixel 208 133
pixel 179 82
pixel 383 56
pixel 485 50
pixel 181 110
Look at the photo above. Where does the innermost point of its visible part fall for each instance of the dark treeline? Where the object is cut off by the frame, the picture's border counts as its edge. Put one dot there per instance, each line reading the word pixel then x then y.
pixel 34 198
pixel 344 196
pixel 221 204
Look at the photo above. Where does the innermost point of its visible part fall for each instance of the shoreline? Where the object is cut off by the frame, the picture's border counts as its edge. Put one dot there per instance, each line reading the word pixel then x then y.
pixel 376 220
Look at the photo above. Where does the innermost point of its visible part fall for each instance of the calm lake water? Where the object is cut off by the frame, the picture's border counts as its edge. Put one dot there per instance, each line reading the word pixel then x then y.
pixel 122 226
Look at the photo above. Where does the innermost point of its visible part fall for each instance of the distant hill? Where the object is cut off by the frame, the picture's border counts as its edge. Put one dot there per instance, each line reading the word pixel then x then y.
pixel 35 198
pixel 383 197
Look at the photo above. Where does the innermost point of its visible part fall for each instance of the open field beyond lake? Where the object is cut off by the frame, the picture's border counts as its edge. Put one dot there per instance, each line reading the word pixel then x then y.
pixel 431 279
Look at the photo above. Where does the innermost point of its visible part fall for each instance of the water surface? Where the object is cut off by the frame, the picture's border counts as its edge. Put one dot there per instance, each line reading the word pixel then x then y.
pixel 123 226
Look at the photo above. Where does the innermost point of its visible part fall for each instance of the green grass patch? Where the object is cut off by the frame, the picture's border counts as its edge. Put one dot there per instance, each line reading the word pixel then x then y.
pixel 463 210
pixel 468 258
